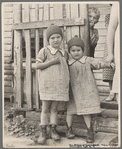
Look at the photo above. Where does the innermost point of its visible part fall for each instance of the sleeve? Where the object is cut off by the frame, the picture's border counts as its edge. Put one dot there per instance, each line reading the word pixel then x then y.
pixel 41 57
pixel 95 64
pixel 94 38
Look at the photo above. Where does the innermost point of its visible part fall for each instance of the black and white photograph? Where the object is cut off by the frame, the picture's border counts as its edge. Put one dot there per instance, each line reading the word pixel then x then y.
pixel 61 74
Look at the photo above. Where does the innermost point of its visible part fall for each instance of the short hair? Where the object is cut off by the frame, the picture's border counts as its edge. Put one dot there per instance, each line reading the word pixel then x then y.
pixel 95 10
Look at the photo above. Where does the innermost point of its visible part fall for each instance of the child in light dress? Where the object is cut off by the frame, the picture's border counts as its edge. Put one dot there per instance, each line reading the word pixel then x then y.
pixel 85 97
pixel 53 81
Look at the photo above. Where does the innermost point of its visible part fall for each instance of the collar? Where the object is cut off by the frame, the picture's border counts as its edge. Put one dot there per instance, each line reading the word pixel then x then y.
pixel 82 60
pixel 53 50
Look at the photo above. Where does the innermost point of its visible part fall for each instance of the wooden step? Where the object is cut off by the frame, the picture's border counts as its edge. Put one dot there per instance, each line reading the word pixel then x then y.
pixel 109 125
pixel 109 113
pixel 109 105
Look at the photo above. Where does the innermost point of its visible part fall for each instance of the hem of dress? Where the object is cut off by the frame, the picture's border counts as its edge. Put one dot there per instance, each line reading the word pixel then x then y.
pixel 89 113
pixel 53 100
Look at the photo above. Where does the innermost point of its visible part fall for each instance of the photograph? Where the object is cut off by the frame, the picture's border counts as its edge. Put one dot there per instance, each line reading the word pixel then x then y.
pixel 61 74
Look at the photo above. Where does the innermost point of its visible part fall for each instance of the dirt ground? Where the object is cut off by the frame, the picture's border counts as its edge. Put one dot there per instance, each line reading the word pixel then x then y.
pixel 14 141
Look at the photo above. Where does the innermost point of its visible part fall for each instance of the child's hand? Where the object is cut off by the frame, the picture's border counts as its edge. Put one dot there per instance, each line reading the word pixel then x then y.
pixel 113 66
pixel 55 61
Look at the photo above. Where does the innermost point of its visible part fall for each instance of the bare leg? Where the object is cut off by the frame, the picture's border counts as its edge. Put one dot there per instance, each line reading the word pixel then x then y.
pixel 87 119
pixel 69 119
pixel 45 112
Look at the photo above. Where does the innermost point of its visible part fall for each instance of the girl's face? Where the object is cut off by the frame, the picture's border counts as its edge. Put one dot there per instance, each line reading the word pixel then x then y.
pixel 55 40
pixel 92 19
pixel 76 52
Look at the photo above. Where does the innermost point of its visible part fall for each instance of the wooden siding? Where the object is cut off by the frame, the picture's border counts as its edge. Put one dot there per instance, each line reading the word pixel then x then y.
pixel 8 21
pixel 8 69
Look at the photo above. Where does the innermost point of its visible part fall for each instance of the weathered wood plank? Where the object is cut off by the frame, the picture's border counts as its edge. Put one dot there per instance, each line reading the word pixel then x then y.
pixel 74 14
pixel 100 25
pixel 8 9
pixel 46 23
pixel 108 113
pixel 58 14
pixel 51 12
pixel 32 15
pixel 28 58
pixel 106 125
pixel 28 69
pixel 99 54
pixel 8 72
pixel 102 39
pixel 8 77
pixel 7 59
pixel 41 12
pixel 86 36
pixel 9 66
pixel 8 89
pixel 101 83
pixel 7 53
pixel 8 21
pixel 46 12
pixel 68 29
pixel 8 5
pixel 7 47
pixel 45 17
pixel 102 32
pixel 8 15
pixel 32 5
pixel 8 83
pixel 100 46
pixel 7 34
pixel 104 89
pixel 8 40
pixel 17 56
pixel 109 105
pixel 58 11
pixel 36 52
pixel 8 28
pixel 7 95
pixel 98 75
pixel 26 12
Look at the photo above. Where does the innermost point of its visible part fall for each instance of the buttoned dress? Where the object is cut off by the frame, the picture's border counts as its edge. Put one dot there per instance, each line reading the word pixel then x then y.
pixel 84 96
pixel 54 80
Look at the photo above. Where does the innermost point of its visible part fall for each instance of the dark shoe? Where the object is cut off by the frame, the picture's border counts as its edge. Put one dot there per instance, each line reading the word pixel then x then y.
pixel 69 133
pixel 42 137
pixel 53 133
pixel 90 135
pixel 114 142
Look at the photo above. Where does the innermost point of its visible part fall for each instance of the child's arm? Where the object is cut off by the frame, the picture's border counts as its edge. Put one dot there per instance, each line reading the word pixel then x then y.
pixel 45 65
pixel 41 60
pixel 107 65
pixel 101 64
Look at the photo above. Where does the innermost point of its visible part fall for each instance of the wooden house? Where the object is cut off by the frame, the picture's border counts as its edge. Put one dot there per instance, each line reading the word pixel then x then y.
pixel 32 12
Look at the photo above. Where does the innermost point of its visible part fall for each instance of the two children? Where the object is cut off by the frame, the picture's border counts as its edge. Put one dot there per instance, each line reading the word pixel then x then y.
pixel 54 83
